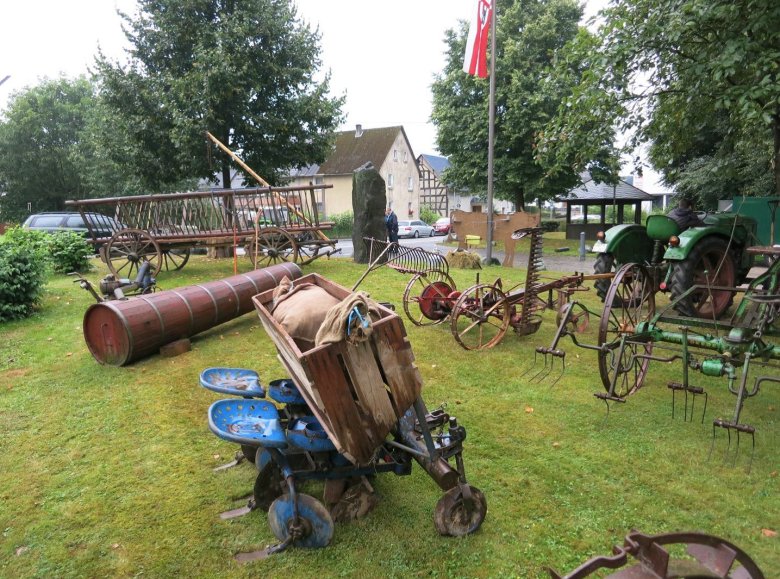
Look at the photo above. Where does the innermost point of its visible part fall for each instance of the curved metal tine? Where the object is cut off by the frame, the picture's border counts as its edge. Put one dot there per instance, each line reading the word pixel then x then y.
pixel 704 411
pixel 606 416
pixel 237 459
pixel 712 445
pixel 752 451
pixel 545 372
pixel 532 366
pixel 532 378
pixel 563 370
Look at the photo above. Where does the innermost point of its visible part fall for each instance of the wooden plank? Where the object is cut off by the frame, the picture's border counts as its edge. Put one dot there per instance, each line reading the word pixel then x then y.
pixel 369 386
pixel 349 424
pixel 395 354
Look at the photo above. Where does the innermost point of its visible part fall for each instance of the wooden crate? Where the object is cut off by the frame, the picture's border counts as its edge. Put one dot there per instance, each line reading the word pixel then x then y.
pixel 357 391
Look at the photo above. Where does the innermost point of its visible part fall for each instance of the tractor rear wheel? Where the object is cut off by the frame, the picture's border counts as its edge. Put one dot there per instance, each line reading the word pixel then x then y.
pixel 708 265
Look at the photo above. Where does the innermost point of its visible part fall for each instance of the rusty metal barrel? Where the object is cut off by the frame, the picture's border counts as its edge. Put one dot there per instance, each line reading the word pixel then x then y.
pixel 120 332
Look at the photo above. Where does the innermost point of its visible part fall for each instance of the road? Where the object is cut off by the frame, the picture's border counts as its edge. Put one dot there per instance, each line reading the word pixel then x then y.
pixel 426 243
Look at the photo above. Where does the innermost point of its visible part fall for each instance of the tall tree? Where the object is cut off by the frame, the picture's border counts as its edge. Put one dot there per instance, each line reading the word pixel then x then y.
pixel 700 78
pixel 39 140
pixel 531 35
pixel 243 70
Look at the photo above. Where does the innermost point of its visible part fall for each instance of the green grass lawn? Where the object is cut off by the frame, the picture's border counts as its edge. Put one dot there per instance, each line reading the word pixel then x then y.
pixel 107 472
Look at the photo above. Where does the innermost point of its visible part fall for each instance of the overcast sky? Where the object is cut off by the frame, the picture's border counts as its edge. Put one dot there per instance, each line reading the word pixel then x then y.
pixel 381 54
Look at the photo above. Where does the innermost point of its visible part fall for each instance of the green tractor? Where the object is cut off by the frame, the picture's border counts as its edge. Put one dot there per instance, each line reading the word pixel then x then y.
pixel 711 257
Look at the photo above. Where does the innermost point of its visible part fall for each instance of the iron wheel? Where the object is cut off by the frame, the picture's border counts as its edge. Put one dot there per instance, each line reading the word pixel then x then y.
pixel 480 317
pixel 453 518
pixel 633 289
pixel 315 525
pixel 424 297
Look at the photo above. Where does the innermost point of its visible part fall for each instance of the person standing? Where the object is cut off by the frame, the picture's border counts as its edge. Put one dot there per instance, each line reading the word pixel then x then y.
pixel 391 223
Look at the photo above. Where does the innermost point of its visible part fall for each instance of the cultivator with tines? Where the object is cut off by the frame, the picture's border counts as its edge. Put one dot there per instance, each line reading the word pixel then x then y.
pixel 631 332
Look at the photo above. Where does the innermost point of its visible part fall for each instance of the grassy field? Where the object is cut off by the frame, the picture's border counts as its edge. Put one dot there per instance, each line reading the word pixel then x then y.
pixel 107 472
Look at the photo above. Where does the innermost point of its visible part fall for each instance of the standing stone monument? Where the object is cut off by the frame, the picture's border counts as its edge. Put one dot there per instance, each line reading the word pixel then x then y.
pixel 368 206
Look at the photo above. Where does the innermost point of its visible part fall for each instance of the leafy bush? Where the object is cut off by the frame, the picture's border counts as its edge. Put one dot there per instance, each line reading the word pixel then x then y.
pixel 428 215
pixel 69 251
pixel 343 224
pixel 21 281
pixel 34 241
pixel 549 225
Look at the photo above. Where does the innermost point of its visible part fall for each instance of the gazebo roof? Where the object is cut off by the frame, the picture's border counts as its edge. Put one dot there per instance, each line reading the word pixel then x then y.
pixel 592 192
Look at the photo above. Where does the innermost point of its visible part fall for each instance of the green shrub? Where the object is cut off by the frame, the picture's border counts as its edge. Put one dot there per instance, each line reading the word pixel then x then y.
pixel 343 224
pixel 69 251
pixel 428 215
pixel 550 225
pixel 21 281
pixel 34 241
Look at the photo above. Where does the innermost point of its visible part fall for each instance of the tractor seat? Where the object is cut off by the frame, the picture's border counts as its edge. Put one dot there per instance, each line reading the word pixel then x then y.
pixel 661 227
pixel 248 422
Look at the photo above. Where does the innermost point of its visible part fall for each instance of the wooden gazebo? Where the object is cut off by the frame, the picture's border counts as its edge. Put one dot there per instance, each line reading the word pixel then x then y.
pixel 601 195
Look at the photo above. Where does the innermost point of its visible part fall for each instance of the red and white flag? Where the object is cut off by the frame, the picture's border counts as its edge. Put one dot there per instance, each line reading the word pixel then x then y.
pixel 475 59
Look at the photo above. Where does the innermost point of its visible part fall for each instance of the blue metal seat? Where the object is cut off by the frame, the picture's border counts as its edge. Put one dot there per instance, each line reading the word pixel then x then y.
pixel 233 381
pixel 285 391
pixel 307 433
pixel 247 422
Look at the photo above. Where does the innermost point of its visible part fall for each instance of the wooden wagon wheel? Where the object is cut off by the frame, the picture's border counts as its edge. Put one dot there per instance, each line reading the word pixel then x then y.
pixel 175 258
pixel 307 251
pixel 629 301
pixel 127 249
pixel 271 246
pixel 426 298
pixel 480 317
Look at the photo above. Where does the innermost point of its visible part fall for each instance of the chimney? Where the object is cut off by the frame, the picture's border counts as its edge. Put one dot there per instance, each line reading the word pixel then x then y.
pixel 358 131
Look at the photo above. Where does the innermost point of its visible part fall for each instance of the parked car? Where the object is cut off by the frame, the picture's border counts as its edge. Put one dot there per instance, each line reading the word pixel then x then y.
pixel 102 226
pixel 414 228
pixel 442 226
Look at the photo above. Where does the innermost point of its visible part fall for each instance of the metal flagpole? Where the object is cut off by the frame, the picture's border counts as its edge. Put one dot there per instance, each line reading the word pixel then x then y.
pixel 491 134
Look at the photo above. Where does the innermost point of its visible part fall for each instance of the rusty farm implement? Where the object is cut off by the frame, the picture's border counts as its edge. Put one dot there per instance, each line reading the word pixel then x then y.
pixel 479 316
pixel 633 331
pixel 352 408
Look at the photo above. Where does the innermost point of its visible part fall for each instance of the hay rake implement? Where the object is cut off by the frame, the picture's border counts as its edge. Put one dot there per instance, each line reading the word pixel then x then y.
pixel 480 315
pixel 631 333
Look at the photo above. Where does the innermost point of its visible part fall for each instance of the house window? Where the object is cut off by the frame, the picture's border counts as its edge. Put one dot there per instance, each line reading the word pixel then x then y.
pixel 410 184
pixel 390 180
pixel 406 157
pixel 395 154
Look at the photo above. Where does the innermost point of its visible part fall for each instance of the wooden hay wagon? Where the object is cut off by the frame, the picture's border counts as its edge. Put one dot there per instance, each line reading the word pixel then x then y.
pixel 273 224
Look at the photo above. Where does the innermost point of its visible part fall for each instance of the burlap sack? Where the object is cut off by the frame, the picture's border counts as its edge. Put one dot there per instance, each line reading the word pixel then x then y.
pixel 301 312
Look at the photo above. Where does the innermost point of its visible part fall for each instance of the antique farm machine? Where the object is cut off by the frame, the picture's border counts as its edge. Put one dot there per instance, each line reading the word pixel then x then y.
pixel 272 225
pixel 682 258
pixel 633 331
pixel 480 315
pixel 351 409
